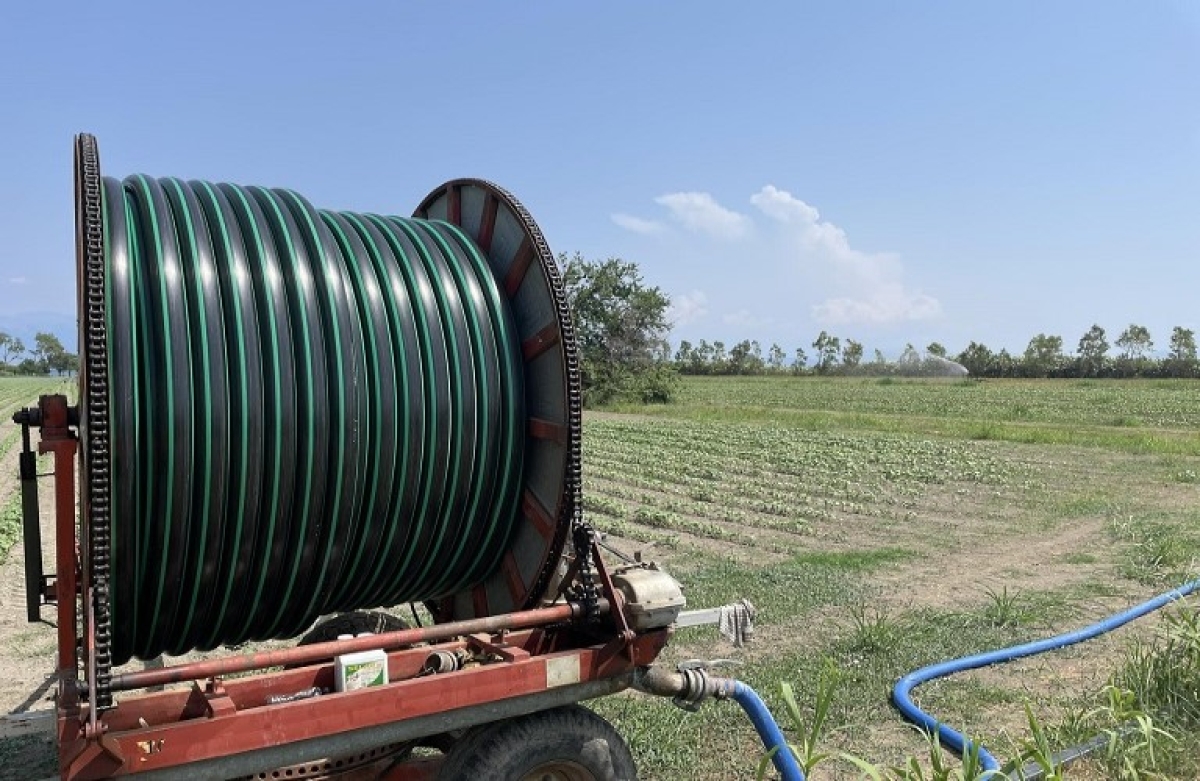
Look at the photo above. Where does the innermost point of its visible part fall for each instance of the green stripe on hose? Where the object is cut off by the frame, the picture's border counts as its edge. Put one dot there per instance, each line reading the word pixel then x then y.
pixel 380 413
pixel 511 405
pixel 231 275
pixel 158 264
pixel 435 398
pixel 349 412
pixel 461 428
pixel 483 453
pixel 115 246
pixel 273 399
pixel 310 384
pixel 409 425
pixel 139 328
pixel 312 411
pixel 196 264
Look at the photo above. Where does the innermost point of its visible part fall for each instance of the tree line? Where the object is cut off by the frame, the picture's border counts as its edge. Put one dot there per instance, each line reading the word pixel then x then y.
pixel 47 356
pixel 622 325
pixel 1044 356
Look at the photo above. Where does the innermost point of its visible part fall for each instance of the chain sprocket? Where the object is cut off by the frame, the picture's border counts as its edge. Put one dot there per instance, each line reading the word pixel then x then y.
pixel 572 495
pixel 94 394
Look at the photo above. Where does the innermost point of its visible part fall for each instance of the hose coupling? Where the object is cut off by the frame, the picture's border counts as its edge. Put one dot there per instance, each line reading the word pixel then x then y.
pixel 690 685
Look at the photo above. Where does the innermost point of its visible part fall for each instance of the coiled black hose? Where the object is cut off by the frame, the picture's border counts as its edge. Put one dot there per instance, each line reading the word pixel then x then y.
pixel 311 411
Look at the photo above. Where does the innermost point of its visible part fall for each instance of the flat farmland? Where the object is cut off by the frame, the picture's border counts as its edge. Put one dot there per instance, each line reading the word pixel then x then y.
pixel 881 525
pixel 876 525
pixel 1158 404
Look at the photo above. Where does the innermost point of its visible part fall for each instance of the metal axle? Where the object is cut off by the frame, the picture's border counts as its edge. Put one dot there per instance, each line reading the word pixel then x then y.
pixel 308 654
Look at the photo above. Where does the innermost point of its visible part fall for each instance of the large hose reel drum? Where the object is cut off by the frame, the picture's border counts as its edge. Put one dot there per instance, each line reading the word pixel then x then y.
pixel 289 411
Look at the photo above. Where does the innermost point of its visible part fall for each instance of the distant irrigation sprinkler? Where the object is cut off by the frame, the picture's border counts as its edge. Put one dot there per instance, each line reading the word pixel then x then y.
pixel 933 366
pixel 914 363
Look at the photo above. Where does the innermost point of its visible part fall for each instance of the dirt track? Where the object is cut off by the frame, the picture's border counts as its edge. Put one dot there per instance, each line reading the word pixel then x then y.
pixel 26 650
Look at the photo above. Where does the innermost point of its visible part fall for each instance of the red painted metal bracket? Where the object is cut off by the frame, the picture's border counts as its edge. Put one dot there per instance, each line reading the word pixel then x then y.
pixel 171 729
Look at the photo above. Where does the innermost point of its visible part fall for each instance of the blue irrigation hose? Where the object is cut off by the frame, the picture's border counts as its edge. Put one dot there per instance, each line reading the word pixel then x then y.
pixel 768 730
pixel 901 694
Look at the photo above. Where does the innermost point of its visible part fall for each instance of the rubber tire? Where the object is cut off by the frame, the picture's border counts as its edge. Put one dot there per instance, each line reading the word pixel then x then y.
pixel 507 750
pixel 374 621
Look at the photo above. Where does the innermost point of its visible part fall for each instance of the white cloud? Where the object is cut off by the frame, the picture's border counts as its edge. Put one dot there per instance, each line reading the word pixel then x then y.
pixel 781 205
pixel 874 284
pixel 744 319
pixel 637 224
pixel 17 280
pixel 885 305
pixel 687 308
pixel 815 234
pixel 806 263
pixel 700 212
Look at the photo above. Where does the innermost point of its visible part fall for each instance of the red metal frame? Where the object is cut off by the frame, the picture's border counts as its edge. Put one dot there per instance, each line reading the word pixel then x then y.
pixel 516 655
pixel 59 439
pixel 228 717
pixel 309 654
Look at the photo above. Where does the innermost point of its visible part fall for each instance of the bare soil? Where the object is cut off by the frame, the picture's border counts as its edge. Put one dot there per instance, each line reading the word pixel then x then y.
pixel 27 651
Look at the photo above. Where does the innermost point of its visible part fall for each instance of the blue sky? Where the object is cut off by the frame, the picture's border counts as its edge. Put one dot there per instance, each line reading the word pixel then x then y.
pixel 888 172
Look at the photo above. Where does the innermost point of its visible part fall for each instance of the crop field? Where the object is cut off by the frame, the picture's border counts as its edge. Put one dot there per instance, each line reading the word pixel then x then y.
pixel 876 526
pixel 17 392
pixel 766 486
pixel 1159 404
pixel 879 526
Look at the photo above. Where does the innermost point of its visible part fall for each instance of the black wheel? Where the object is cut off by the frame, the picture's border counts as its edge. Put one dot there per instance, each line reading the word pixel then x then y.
pixel 374 621
pixel 561 744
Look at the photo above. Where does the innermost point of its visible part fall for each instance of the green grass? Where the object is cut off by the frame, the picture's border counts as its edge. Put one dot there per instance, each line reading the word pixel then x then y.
pixel 1079 557
pixel 855 561
pixel 15 393
pixel 28 756
pixel 1005 608
pixel 10 524
pixel 18 392
pixel 1125 403
pixel 10 513
pixel 781 592
pixel 1158 551
pixel 766 486
pixel 1149 711
pixel 1098 435
pixel 825 495
pixel 1159 417
pixel 869 649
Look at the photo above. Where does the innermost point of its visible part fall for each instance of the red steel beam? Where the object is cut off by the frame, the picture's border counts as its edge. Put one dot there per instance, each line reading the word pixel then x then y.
pixel 309 654
pixel 57 439
pixel 540 342
pixel 172 705
pixel 207 738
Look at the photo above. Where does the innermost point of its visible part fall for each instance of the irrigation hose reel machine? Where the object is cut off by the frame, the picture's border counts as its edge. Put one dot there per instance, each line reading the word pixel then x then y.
pixel 286 413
